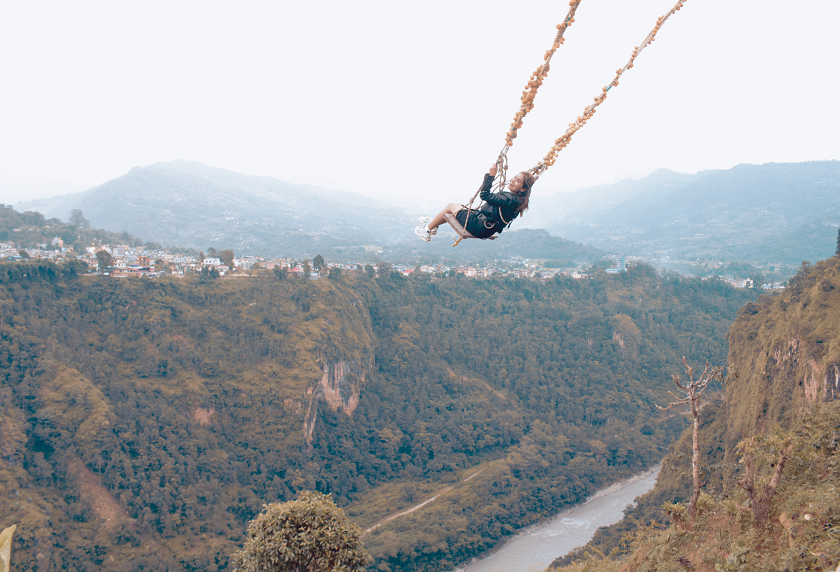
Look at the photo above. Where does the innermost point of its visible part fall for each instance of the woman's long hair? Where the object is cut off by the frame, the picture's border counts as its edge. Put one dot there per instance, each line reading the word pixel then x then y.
pixel 528 181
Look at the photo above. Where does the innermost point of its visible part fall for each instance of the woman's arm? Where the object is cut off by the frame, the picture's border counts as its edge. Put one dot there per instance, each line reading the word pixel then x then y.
pixel 496 199
pixel 486 185
pixel 488 180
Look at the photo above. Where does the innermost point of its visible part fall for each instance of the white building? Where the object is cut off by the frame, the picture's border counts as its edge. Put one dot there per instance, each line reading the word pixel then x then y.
pixel 245 263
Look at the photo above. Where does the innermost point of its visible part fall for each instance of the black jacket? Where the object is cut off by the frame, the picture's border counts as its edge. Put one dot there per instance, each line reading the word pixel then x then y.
pixel 499 207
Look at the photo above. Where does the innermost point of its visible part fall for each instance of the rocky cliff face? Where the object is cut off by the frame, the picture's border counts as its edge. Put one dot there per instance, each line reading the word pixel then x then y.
pixel 339 386
pixel 342 381
pixel 786 350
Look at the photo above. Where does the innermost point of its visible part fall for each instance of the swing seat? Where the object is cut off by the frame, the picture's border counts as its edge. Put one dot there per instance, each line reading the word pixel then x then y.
pixel 460 230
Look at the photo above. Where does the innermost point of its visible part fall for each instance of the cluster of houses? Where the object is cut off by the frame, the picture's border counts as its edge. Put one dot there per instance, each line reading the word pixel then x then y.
pixel 53 251
pixel 130 260
pixel 137 261
pixel 528 270
pixel 127 261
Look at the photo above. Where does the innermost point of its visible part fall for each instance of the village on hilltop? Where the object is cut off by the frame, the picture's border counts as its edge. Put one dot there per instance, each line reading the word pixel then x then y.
pixel 121 261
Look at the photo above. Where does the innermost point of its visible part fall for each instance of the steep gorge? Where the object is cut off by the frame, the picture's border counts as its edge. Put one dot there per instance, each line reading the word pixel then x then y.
pixel 179 407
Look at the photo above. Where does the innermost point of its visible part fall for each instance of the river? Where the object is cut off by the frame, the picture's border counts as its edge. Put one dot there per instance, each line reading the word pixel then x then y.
pixel 539 545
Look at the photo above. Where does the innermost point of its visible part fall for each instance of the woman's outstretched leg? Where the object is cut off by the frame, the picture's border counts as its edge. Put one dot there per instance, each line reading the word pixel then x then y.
pixel 438 220
pixel 425 231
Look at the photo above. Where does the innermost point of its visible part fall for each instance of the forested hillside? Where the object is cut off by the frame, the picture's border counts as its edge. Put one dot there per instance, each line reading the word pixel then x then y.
pixel 556 252
pixel 784 362
pixel 144 422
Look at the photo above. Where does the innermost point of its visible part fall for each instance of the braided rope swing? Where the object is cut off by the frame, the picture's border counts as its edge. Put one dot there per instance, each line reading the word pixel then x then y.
pixel 563 141
pixel 529 94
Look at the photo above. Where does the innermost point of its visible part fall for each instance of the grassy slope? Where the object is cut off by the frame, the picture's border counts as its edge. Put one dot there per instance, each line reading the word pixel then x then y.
pixel 804 533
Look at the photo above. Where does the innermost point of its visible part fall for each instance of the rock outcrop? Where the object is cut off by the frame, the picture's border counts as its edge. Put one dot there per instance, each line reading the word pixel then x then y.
pixel 786 352
pixel 340 385
pixel 342 381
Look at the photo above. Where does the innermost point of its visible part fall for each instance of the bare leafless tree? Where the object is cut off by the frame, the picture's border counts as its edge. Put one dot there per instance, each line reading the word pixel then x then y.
pixel 692 391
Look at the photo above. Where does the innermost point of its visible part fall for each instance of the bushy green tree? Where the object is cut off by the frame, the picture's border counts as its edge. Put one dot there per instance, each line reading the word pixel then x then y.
pixel 77 219
pixel 318 263
pixel 208 273
pixel 310 534
pixel 104 259
pixel 227 256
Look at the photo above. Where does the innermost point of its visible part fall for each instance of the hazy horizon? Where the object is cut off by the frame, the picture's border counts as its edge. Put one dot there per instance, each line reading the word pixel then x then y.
pixel 41 187
pixel 406 101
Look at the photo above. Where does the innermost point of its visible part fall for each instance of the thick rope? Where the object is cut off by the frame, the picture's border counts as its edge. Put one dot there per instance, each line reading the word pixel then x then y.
pixel 529 94
pixel 563 141
pixel 537 78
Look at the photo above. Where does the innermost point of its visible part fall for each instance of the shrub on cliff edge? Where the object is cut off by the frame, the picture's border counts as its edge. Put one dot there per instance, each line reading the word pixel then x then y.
pixel 310 534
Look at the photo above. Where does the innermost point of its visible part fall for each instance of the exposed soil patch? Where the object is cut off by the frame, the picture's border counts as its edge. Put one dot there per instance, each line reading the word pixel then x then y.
pixel 481 382
pixel 104 505
pixel 202 416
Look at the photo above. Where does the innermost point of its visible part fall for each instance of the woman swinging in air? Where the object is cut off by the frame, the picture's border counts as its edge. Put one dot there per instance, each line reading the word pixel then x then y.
pixel 499 209
pixel 494 215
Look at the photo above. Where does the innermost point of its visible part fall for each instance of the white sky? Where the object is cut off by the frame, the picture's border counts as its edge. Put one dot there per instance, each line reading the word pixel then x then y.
pixel 399 99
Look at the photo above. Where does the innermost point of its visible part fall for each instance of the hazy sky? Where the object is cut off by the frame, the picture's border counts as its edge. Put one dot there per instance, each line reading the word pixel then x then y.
pixel 407 99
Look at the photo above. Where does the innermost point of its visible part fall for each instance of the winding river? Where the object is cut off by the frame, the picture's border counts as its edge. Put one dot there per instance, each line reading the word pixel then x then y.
pixel 536 547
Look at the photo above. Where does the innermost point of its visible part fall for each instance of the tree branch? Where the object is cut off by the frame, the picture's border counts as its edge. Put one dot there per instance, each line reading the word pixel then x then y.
pixel 770 488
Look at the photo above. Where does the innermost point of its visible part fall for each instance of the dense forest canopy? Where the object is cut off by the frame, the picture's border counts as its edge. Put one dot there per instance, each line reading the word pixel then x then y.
pixel 145 422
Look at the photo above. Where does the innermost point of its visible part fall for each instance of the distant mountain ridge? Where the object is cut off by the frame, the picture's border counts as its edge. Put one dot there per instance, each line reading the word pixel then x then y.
pixel 776 212
pixel 185 203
